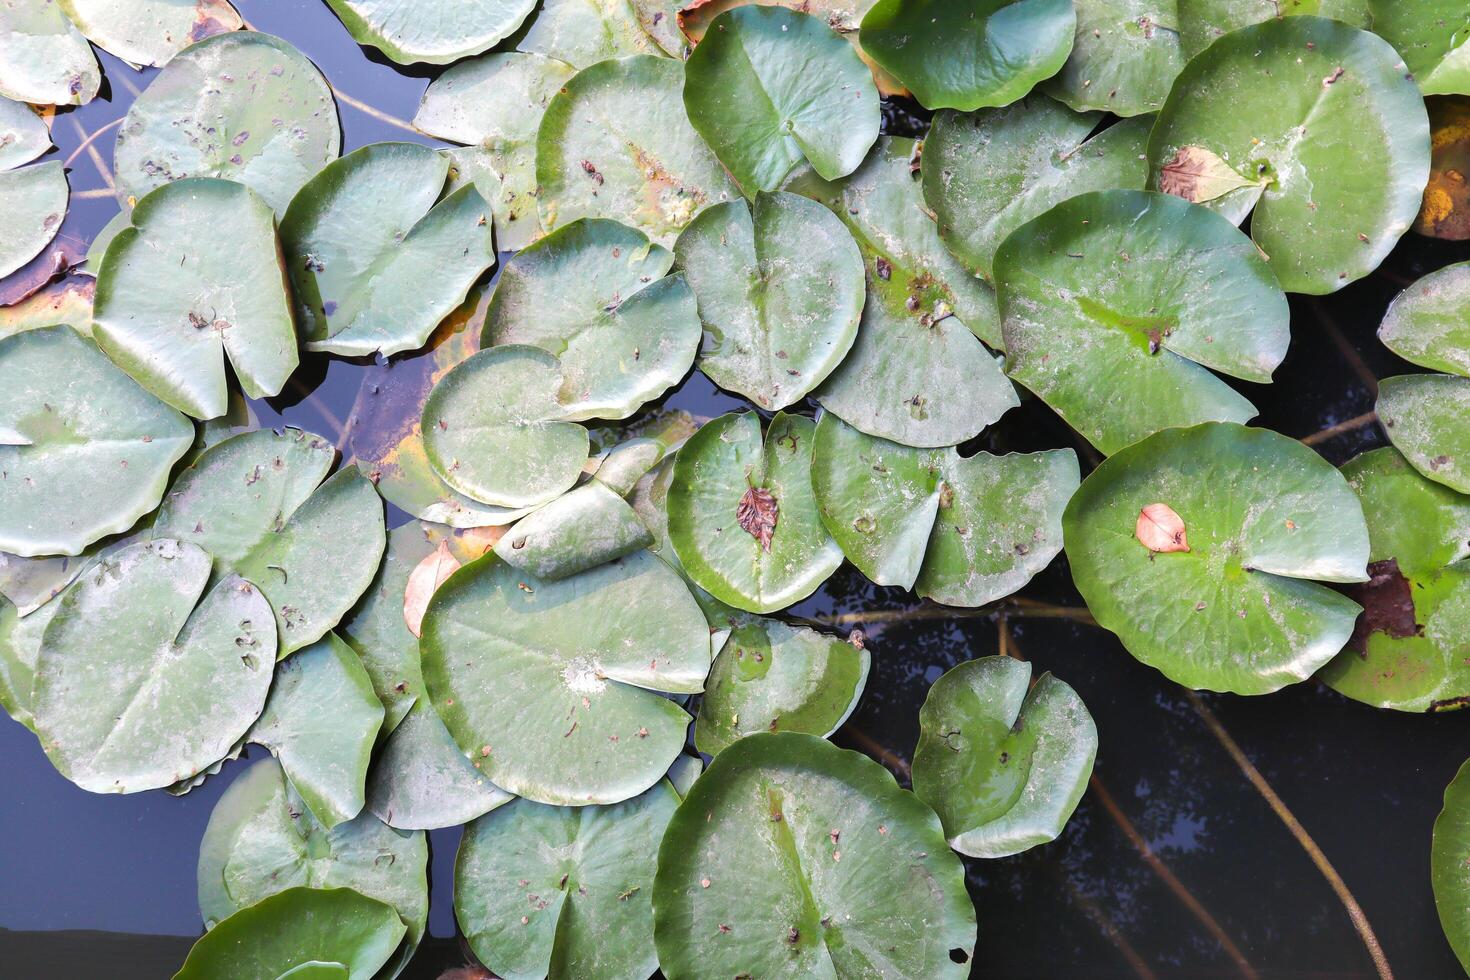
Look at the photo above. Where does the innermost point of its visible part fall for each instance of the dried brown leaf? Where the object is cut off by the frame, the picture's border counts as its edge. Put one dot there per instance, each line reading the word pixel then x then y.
pixel 758 514
pixel 1160 529
pixel 423 582
pixel 1197 174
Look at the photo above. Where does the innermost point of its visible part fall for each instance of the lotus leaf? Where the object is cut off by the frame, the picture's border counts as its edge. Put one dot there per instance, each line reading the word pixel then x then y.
pixel 1125 55
pixel 583 32
pixel 23 134
pixel 1434 38
pixel 43 57
pixel 1449 865
pixel 1427 416
pixel 409 32
pixel 34 201
pixel 1429 323
pixel 150 32
pixel 422 781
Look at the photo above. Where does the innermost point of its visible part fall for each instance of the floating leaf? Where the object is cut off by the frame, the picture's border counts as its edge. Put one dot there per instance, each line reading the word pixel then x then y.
pixel 583 32
pixel 640 446
pixel 1125 55
pixel 1115 303
pixel 43 57
pixel 579 530
pixel 1324 117
pixel 1427 416
pixel 410 34
pixel 34 201
pixel 67 301
pixel 1238 611
pixel 423 581
pixel 422 781
pixel 557 702
pixel 1449 864
pixel 1197 175
pixel 791 857
pixel 20 644
pixel 1445 212
pixel 1434 38
pixel 1429 323
pixel 1004 763
pixel 150 32
pixel 682 774
pixel 23 133
pixel 1202 22
pixel 30 583
pixel 660 21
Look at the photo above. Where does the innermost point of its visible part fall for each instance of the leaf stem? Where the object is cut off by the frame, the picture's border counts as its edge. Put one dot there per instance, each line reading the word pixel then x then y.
pixel 1342 428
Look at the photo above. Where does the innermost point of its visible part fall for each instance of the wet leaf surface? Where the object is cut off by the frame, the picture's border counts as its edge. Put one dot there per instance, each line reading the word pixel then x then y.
pixel 1427 417
pixel 1202 22
pixel 581 529
pixel 150 32
pixel 1434 38
pixel 583 32
pixel 1429 322
pixel 409 34
pixel 44 59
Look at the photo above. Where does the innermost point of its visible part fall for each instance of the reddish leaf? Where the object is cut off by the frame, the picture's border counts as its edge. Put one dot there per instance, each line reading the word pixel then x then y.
pixel 1161 530
pixel 1388 605
pixel 423 581
pixel 758 514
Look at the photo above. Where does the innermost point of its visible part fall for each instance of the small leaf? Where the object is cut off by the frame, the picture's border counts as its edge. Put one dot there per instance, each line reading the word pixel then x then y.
pixel 1160 529
pixel 423 581
pixel 757 514
pixel 1196 174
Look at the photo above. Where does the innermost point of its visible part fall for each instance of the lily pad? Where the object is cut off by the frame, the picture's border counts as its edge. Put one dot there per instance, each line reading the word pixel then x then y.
pixel 615 143
pixel 34 201
pixel 30 583
pixel 150 32
pixel 422 781
pixel 962 531
pixel 969 55
pixel 1325 134
pixel 377 256
pixel 1004 763
pixel 595 294
pixel 1449 865
pixel 261 503
pixel 297 933
pixel 67 301
pixel 43 57
pixel 1202 22
pixel 143 678
pixel 780 287
pixel 1429 323
pixel 1125 56
pixel 916 374
pixel 242 106
pixel 987 173
pixel 791 857
pixel 20 644
pixel 551 687
pixel 640 446
pixel 410 33
pixel 660 21
pixel 769 87
pixel 1235 609
pixel 546 891
pixel 774 677
pixel 583 32
pixel 172 304
pixel 84 458
pixel 579 530
pixel 1434 38
pixel 23 134
pixel 1427 416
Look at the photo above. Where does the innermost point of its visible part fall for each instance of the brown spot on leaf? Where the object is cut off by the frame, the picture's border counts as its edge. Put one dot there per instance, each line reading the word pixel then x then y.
pixel 1160 529
pixel 757 515
pixel 1388 605
pixel 1197 174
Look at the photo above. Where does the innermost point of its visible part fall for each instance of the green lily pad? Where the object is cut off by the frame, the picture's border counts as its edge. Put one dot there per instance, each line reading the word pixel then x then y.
pixel 140 682
pixel 20 644
pixel 242 106
pixel 660 21
pixel 422 781
pixel 1429 323
pixel 595 294
pixel 988 173
pixel 84 458
pixel 581 529
pixel 1004 763
pixel 552 686
pixel 150 32
pixel 780 289
pixel 295 929
pixel 1449 865
pixel 615 143
pixel 30 583
pixel 378 258
pixel 1262 516
pixel 1115 304
pixel 742 516
pixel 769 87
pixel 317 971
pixel 171 304
pixel 775 677
pixel 43 57
pixel 583 32
pixel 563 891
pixel 409 33
pixel 916 374
pixel 1202 22
pixel 682 774
pixel 1434 38
pixel 961 531
pixel 34 200
pixel 23 133
pixel 1327 206
pixel 261 503
pixel 1125 56
pixel 638 447
pixel 791 857
pixel 1427 416
pixel 969 55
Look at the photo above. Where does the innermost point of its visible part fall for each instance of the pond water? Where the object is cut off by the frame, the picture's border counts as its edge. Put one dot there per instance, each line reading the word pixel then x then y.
pixel 1175 864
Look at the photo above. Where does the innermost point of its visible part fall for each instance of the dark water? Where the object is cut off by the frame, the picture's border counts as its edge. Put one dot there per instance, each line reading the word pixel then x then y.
pixel 95 882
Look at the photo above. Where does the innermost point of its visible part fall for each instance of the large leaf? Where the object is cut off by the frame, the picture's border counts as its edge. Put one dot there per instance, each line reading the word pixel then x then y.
pixel 150 32
pixel 1325 134
pixel 615 143
pixel 173 302
pixel 43 57
pixel 378 255
pixel 1434 38
pixel 1449 865
pixel 1411 648
pixel 410 33
pixel 579 530
pixel 1125 56
pixel 780 288
pixel 791 857
pixel 257 502
pixel 583 32
pixel 1429 323
pixel 989 172
pixel 140 682
pixel 243 106
pixel 563 892
pixel 1427 416
pixel 85 451
pixel 23 133
pixel 969 55
pixel 551 686
pixel 34 201
pixel 422 781
pixel 916 373
pixel 1004 763
pixel 769 87
pixel 1201 22
pixel 1234 609
pixel 962 531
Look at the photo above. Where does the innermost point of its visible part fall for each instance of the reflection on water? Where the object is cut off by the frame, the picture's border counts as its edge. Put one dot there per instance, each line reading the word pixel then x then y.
pixel 1365 784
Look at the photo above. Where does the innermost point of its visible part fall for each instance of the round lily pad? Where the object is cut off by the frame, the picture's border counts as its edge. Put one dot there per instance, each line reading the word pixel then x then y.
pixel 962 531
pixel 143 678
pixel 422 781
pixel 378 254
pixel 150 32
pixel 1429 323
pixel 1004 763
pixel 34 201
pixel 23 133
pixel 1449 865
pixel 410 33
pixel 1115 303
pixel 615 143
pixel 261 503
pixel 791 857
pixel 1323 138
pixel 989 172
pixel 243 106
pixel 563 891
pixel 43 58
pixel 581 529
pixel 551 687
pixel 1125 56
pixel 1427 416
pixel 780 289
pixel 969 55
pixel 1202 22
pixel 1434 38
pixel 1411 648
pixel 583 32
pixel 595 294
pixel 86 452
pixel 1227 603
pixel 769 87
pixel 742 516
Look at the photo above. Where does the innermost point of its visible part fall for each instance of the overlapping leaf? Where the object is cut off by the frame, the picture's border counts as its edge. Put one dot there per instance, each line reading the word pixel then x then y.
pixel 1449 864
pixel 44 58
pixel 34 200
pixel 1427 417
pixel 150 32
pixel 410 33
pixel 422 781
pixel 1202 22
pixel 1125 56
pixel 23 134
pixel 1429 323
pixel 583 32
pixel 1434 38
